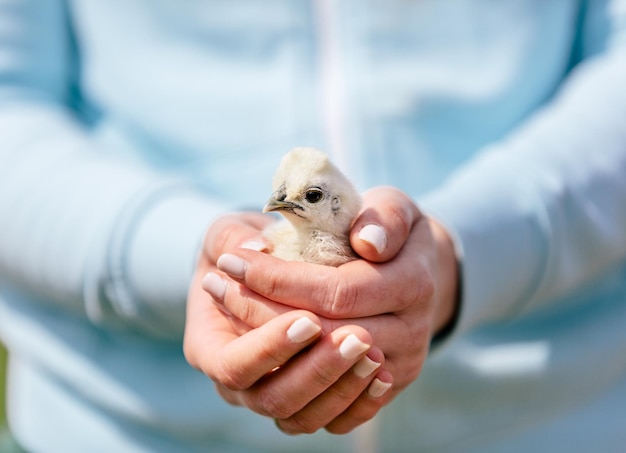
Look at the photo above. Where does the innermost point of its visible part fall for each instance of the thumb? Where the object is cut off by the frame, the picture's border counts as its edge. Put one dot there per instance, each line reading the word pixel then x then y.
pixel 384 224
pixel 235 230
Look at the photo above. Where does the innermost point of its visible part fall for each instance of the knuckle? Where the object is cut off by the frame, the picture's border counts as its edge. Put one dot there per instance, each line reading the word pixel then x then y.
pixel 221 235
pixel 358 414
pixel 272 281
pixel 189 351
pixel 342 299
pixel 228 395
pixel 322 374
pixel 367 413
pixel 334 428
pixel 343 397
pixel 409 361
pixel 269 354
pixel 298 425
pixel 218 369
pixel 339 429
pixel 241 306
pixel 412 371
pixel 420 287
pixel 418 331
pixel 271 404
pixel 225 374
pixel 401 217
pixel 426 285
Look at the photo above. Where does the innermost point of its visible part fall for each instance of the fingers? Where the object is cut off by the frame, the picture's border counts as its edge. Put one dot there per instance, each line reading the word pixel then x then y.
pixel 352 400
pixel 365 407
pixel 384 224
pixel 355 289
pixel 265 368
pixel 403 342
pixel 281 364
pixel 238 362
pixel 234 230
pixel 343 387
pixel 254 310
pixel 331 386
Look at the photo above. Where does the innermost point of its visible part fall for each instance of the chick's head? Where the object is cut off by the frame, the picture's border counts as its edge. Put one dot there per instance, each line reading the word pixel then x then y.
pixel 313 194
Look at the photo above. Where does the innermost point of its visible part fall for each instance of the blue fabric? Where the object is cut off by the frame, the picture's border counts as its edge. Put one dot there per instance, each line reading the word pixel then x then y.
pixel 126 127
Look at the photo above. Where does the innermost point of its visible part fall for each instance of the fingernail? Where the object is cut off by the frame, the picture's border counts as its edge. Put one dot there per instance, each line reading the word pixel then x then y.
pixel 254 245
pixel 232 265
pixel 303 329
pixel 378 388
pixel 351 347
pixel 375 235
pixel 214 285
pixel 365 367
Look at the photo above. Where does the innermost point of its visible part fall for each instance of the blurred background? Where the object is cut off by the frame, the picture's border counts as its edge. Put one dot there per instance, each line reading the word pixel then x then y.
pixel 3 361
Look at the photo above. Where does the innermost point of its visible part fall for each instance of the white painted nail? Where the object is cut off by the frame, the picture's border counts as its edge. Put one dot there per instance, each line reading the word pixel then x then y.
pixel 215 286
pixel 254 245
pixel 365 367
pixel 378 388
pixel 303 329
pixel 232 265
pixel 351 347
pixel 374 235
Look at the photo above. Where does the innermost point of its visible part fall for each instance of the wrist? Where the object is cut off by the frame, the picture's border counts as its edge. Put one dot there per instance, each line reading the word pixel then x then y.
pixel 447 281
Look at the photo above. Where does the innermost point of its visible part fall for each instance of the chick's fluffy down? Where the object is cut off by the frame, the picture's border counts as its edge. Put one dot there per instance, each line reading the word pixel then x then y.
pixel 319 205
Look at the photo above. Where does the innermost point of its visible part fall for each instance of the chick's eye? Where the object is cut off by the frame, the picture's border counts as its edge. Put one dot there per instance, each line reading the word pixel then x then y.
pixel 313 195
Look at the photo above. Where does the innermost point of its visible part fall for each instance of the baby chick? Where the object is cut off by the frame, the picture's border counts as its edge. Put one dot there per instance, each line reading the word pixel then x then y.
pixel 319 204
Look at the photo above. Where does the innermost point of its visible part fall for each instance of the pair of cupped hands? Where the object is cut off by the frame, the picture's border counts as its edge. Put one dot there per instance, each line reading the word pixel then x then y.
pixel 316 346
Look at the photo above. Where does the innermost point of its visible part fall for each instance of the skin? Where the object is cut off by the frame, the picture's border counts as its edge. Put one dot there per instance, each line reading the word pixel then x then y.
pixel 394 301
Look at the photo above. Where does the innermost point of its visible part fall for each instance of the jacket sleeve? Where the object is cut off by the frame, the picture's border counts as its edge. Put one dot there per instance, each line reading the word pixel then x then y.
pixel 544 211
pixel 86 232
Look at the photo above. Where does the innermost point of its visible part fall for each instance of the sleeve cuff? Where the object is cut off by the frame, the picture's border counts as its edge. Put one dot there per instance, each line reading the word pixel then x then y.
pixel 152 257
pixel 499 238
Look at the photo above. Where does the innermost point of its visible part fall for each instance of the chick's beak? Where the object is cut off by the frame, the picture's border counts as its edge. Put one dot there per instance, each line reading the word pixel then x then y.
pixel 274 204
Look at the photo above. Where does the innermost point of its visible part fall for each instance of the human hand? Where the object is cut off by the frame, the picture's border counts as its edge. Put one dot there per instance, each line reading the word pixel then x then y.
pixel 275 369
pixel 402 302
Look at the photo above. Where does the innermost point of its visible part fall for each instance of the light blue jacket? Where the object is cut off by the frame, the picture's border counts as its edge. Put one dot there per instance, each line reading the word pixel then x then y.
pixel 126 127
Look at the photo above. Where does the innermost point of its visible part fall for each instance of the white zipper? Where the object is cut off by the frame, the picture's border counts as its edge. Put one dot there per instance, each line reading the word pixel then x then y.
pixel 334 122
pixel 332 108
